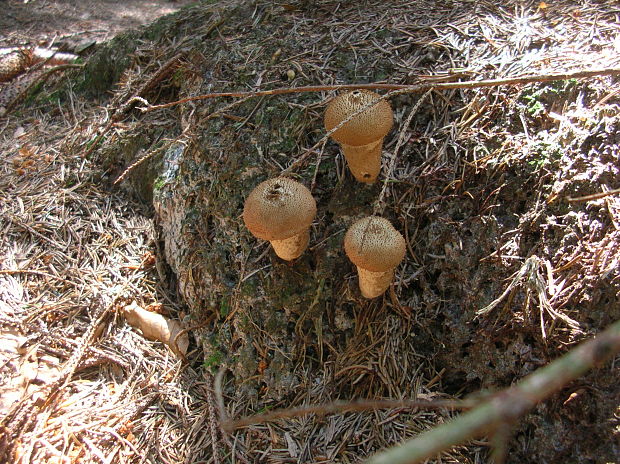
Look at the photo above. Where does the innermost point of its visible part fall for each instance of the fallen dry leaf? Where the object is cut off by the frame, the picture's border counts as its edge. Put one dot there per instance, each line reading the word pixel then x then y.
pixel 13 385
pixel 156 327
pixel 24 371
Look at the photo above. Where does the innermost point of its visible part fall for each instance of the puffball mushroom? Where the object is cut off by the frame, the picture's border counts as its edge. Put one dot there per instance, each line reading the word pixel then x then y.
pixel 376 248
pixel 281 210
pixel 361 139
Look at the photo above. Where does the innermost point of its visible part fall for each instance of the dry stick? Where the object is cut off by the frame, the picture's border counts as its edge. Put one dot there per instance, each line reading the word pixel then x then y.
pixel 499 443
pixel 509 405
pixel 219 395
pixel 215 442
pixel 340 406
pixel 33 272
pixel 416 88
pixel 594 196
pixel 219 399
pixel 395 89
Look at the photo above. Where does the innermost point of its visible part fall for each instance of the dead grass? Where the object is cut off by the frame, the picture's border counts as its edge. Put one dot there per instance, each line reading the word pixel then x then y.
pixel 72 252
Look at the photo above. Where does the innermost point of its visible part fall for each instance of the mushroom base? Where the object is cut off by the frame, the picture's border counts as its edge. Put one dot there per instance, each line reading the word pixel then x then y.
pixel 364 160
pixel 292 247
pixel 373 284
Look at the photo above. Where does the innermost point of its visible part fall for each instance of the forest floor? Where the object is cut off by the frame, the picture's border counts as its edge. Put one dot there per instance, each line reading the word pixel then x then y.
pixel 67 23
pixel 506 196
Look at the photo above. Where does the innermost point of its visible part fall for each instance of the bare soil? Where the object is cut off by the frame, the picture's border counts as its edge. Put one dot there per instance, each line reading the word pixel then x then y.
pixel 66 24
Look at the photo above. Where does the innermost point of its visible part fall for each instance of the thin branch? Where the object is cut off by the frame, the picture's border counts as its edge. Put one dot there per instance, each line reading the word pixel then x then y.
pixel 216 444
pixel 509 405
pixel 33 272
pixel 145 157
pixel 594 196
pixel 341 406
pixel 416 88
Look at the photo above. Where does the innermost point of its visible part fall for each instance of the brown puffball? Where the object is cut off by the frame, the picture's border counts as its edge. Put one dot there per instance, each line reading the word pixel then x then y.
pixel 361 139
pixel 376 248
pixel 281 210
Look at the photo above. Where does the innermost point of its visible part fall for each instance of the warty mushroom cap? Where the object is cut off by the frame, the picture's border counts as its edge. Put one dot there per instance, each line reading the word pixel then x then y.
pixel 279 208
pixel 367 127
pixel 373 244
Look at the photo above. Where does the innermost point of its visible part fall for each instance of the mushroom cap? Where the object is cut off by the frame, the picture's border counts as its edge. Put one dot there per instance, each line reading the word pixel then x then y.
pixel 373 244
pixel 279 208
pixel 369 126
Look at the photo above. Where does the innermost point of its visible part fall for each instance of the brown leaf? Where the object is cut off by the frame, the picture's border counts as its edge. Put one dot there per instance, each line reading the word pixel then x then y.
pixel 25 152
pixel 24 371
pixel 156 327
pixel 14 384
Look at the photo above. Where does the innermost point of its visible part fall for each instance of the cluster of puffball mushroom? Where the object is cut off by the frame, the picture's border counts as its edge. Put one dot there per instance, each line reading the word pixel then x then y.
pixel 281 210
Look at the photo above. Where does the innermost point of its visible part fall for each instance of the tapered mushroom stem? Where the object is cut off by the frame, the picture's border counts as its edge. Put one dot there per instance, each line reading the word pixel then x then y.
pixel 361 137
pixel 281 210
pixel 364 161
pixel 372 284
pixel 376 248
pixel 292 247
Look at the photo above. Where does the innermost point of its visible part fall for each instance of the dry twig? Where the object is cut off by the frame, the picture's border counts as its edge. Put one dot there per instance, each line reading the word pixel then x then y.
pixel 594 196
pixel 417 88
pixel 507 406
pixel 341 407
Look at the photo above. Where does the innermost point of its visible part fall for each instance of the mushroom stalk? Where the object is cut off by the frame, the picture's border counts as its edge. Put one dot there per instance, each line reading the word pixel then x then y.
pixel 364 160
pixel 292 247
pixel 376 248
pixel 372 284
